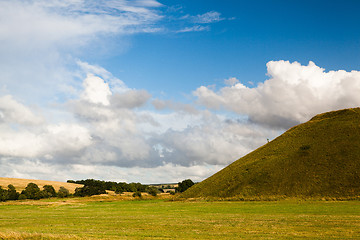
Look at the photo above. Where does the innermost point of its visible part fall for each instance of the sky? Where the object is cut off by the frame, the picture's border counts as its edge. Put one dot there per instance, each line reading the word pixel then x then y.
pixel 161 91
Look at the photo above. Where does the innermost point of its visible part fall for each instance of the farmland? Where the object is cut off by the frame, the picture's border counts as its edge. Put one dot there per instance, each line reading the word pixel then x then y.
pixel 20 184
pixel 111 218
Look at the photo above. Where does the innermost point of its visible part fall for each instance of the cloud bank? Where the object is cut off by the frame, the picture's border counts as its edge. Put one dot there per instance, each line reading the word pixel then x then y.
pixel 64 118
pixel 293 94
pixel 114 127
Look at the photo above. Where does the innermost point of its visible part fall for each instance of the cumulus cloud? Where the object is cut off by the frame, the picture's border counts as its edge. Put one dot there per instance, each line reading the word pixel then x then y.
pixel 95 90
pixel 130 99
pixel 176 106
pixel 231 81
pixel 109 126
pixel 62 117
pixel 12 111
pixel 44 142
pixel 216 141
pixel 110 129
pixel 168 173
pixel 293 94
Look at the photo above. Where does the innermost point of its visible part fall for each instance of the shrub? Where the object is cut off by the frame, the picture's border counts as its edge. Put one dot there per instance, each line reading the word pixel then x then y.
pixel 152 191
pixel 12 193
pixel 63 192
pixel 184 185
pixel 305 147
pixel 137 194
pixel 22 196
pixel 88 191
pixel 3 194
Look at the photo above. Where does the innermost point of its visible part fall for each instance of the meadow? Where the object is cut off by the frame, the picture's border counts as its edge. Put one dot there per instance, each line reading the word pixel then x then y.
pixel 107 218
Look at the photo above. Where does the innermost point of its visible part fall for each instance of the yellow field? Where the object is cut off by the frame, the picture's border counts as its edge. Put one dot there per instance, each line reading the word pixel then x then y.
pixel 20 184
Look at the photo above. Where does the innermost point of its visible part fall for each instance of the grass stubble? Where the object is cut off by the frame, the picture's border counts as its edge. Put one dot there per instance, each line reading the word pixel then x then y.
pixel 113 217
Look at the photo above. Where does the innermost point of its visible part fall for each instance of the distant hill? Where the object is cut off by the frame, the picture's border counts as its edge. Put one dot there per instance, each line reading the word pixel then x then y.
pixel 318 158
pixel 20 184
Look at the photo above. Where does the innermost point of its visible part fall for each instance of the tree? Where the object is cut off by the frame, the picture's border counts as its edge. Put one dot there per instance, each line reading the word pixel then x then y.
pixel 12 193
pixel 48 191
pixel 184 185
pixel 3 194
pixel 32 191
pixel 89 191
pixel 63 192
pixel 152 191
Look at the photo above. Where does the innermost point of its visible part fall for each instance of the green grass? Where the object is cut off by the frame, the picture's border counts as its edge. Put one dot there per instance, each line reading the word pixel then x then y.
pixel 159 219
pixel 320 158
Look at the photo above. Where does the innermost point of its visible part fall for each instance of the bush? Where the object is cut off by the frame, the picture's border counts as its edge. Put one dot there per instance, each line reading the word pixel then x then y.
pixel 184 185
pixel 22 196
pixel 63 192
pixel 89 191
pixel 153 191
pixel 137 194
pixel 3 194
pixel 12 193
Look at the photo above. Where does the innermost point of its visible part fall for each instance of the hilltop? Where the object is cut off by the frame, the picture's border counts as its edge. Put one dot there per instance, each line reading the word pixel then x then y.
pixel 20 184
pixel 319 158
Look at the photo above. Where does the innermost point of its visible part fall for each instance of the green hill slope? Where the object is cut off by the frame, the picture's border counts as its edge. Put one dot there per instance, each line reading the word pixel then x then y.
pixel 318 158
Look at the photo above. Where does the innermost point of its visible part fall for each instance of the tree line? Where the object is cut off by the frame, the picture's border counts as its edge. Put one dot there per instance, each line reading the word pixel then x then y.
pixel 90 187
pixel 32 191
pixel 95 187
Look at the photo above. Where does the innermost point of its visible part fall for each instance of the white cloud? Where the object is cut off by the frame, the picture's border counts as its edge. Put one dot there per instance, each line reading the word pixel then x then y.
pixel 168 173
pixel 208 17
pixel 95 90
pixel 196 28
pixel 231 81
pixel 168 104
pixel 109 128
pixel 61 117
pixel 216 141
pixel 293 94
pixel 12 111
pixel 40 41
pixel 46 142
pixel 72 21
pixel 130 99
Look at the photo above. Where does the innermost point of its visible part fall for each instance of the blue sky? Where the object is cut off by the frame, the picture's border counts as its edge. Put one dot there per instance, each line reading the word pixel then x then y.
pixel 250 34
pixel 160 91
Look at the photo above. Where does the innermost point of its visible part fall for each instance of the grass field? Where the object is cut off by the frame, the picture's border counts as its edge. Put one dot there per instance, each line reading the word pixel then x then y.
pixel 91 218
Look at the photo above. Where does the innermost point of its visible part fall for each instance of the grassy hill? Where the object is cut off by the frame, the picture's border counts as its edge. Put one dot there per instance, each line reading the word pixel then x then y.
pixel 318 158
pixel 20 184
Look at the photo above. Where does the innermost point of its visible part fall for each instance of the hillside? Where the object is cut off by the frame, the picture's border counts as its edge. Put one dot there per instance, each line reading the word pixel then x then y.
pixel 20 184
pixel 318 158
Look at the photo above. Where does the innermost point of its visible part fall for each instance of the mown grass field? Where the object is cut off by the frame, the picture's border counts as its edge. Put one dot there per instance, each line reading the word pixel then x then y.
pixel 160 219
